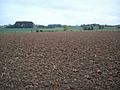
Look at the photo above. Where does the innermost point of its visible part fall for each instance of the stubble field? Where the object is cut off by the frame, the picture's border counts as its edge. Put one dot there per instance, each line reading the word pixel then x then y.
pixel 60 61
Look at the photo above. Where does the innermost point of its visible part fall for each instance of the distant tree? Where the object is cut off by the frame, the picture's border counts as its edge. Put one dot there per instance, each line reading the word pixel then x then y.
pixel 40 26
pixel 88 27
pixel 2 26
pixel 101 26
pixel 118 26
pixel 82 25
pixel 10 26
pixel 65 27
pixel 95 25
pixel 54 25
pixel 106 25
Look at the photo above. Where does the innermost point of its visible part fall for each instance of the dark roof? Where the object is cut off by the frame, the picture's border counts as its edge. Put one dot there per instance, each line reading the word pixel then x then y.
pixel 24 24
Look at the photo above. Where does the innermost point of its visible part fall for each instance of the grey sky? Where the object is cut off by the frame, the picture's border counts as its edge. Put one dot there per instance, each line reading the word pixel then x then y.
pixel 70 12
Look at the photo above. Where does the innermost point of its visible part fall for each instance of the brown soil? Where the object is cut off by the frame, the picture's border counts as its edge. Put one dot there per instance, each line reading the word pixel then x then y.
pixel 60 61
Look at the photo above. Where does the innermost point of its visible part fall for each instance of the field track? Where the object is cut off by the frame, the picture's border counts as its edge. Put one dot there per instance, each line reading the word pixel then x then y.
pixel 60 61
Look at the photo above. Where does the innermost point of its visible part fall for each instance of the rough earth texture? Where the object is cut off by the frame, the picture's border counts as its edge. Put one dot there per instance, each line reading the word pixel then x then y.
pixel 60 61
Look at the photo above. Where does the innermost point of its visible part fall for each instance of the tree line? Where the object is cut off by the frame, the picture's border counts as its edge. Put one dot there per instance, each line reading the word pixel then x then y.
pixel 30 24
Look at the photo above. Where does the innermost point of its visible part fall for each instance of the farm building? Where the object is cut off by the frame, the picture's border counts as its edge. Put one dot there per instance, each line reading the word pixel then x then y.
pixel 24 24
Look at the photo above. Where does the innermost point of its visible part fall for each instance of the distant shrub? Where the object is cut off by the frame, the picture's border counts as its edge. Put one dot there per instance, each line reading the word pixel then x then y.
pixel 41 30
pixel 88 27
pixel 37 30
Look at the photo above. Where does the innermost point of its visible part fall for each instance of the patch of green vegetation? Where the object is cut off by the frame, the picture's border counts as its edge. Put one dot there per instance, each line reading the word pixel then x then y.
pixel 15 30
pixel 58 29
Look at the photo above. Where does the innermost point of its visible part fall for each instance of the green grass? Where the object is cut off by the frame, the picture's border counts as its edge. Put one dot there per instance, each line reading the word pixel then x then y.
pixel 15 30
pixel 73 29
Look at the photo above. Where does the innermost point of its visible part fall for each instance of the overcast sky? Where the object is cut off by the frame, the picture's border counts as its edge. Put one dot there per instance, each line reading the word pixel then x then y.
pixel 70 12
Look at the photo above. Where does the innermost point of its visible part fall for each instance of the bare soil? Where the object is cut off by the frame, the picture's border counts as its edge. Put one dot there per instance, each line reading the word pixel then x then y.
pixel 60 61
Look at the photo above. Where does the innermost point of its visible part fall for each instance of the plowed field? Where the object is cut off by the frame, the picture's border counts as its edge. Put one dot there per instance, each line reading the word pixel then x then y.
pixel 60 61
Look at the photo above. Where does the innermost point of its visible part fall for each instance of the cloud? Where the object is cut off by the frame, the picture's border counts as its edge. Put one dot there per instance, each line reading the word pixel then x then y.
pixel 60 11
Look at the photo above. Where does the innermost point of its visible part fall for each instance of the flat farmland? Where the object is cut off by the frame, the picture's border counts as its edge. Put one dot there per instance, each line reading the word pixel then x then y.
pixel 60 61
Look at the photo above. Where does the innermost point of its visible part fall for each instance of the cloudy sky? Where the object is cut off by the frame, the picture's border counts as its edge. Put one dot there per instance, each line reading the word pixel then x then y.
pixel 70 12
